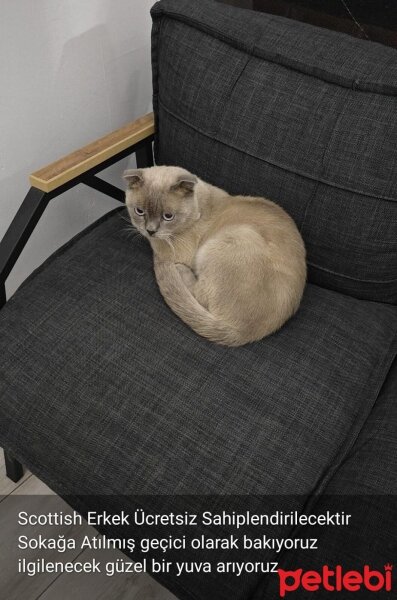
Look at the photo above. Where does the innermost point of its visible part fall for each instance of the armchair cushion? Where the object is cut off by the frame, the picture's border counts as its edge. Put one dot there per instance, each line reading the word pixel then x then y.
pixel 364 486
pixel 268 106
pixel 104 390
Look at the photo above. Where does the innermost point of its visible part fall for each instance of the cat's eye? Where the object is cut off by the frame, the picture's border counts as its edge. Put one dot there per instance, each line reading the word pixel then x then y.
pixel 139 211
pixel 168 216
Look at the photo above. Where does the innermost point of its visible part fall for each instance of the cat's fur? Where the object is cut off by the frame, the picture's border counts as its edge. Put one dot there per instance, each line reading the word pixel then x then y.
pixel 231 267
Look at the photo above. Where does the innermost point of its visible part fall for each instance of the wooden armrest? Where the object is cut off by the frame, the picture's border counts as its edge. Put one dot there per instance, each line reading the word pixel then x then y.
pixel 63 170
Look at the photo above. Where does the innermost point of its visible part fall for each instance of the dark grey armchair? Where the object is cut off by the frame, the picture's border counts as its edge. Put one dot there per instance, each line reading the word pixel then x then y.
pixel 104 391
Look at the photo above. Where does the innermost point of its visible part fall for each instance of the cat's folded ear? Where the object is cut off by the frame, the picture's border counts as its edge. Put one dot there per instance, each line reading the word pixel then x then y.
pixel 185 185
pixel 134 177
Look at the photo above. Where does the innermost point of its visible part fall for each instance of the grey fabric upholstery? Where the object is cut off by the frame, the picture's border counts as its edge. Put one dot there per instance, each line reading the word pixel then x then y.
pixel 267 106
pixel 364 485
pixel 101 372
pixel 104 391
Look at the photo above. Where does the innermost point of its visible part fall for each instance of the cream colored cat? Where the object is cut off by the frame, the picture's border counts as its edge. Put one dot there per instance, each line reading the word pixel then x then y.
pixel 231 267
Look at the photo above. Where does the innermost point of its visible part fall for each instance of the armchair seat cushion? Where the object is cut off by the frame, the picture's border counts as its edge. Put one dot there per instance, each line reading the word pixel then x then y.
pixel 104 390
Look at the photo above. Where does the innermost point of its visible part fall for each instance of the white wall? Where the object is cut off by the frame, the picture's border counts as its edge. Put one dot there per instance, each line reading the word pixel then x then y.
pixel 70 71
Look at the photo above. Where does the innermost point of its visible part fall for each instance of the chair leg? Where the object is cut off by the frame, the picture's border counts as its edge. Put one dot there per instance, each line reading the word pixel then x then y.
pixel 14 469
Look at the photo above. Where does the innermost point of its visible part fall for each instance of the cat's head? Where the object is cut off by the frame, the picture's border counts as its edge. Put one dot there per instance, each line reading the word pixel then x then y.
pixel 161 201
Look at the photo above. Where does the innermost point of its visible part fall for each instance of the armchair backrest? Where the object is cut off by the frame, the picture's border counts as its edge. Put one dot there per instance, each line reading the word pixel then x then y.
pixel 263 105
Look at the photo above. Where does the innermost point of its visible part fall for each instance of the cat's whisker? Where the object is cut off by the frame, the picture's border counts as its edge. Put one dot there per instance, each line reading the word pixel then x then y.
pixel 247 287
pixel 131 232
pixel 123 218
pixel 129 228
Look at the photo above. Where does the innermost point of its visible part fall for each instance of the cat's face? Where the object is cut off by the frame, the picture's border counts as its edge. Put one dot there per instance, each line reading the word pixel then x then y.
pixel 161 200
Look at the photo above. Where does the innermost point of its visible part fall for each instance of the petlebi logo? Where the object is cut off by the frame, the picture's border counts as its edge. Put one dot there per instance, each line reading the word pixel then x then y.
pixel 336 579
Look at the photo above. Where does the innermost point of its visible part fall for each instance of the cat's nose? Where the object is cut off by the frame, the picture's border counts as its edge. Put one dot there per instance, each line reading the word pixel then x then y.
pixel 151 231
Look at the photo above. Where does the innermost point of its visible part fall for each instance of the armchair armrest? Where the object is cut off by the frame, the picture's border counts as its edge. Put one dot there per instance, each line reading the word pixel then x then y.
pixel 75 164
pixel 80 166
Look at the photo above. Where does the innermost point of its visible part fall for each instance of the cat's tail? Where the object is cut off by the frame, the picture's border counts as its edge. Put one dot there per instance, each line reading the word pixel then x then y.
pixel 185 305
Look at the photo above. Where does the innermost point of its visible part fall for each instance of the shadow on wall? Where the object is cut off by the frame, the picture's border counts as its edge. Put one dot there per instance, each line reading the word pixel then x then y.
pixel 102 84
pixel 73 92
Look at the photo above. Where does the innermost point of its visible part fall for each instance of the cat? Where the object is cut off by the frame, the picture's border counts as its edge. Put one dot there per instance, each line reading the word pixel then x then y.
pixel 233 268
